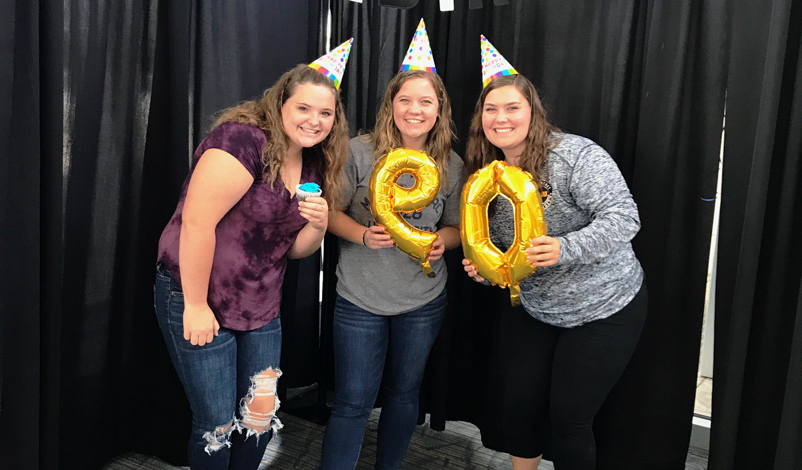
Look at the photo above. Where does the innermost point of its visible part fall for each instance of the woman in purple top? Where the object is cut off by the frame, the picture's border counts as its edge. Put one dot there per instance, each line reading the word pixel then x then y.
pixel 223 255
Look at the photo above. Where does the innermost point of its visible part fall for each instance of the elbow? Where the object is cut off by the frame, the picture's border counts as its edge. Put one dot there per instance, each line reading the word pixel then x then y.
pixel 295 254
pixel 630 228
pixel 302 250
pixel 457 243
pixel 623 226
pixel 192 223
pixel 194 231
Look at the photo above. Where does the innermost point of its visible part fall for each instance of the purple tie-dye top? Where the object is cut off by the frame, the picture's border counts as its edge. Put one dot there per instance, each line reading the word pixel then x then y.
pixel 253 238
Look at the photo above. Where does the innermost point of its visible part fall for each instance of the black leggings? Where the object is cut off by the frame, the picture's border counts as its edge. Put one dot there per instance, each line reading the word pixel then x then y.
pixel 565 374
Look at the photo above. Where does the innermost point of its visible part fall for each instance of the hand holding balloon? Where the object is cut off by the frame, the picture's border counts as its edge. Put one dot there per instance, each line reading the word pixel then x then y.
pixel 470 269
pixel 376 238
pixel 438 248
pixel 545 251
pixel 388 200
pixel 510 268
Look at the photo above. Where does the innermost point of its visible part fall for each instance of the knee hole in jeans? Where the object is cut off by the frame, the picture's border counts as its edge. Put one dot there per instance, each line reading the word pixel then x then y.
pixel 220 437
pixel 258 409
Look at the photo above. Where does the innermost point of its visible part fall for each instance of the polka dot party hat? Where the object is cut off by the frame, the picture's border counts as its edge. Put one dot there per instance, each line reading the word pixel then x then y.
pixel 332 64
pixel 494 64
pixel 419 54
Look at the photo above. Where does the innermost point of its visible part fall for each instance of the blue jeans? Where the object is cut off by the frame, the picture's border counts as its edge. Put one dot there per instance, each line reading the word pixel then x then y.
pixel 215 377
pixel 366 347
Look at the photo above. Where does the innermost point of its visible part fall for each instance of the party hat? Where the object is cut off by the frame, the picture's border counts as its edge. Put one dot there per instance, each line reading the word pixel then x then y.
pixel 494 64
pixel 419 55
pixel 332 64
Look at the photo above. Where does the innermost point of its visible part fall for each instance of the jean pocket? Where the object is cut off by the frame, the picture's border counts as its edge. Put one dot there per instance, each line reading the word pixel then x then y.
pixel 164 275
pixel 162 271
pixel 176 306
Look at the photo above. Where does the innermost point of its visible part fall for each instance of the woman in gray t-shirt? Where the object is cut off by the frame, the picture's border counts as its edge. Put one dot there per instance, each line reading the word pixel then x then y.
pixel 582 310
pixel 388 312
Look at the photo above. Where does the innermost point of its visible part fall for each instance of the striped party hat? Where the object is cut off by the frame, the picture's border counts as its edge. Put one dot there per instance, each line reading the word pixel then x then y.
pixel 333 63
pixel 494 64
pixel 419 54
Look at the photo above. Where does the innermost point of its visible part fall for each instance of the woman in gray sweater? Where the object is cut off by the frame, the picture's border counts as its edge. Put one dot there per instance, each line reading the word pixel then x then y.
pixel 582 311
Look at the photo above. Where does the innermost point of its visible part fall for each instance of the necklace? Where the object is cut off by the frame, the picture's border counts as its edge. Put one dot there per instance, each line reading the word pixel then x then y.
pixel 291 174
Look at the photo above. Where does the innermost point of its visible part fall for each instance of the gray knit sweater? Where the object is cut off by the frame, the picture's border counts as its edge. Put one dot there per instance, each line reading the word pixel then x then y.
pixel 592 213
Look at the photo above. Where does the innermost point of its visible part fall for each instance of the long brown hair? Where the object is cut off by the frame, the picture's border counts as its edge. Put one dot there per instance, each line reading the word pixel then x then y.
pixel 540 139
pixel 386 136
pixel 265 113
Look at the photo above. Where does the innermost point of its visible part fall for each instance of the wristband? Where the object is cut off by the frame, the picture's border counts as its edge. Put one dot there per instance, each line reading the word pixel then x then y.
pixel 363 237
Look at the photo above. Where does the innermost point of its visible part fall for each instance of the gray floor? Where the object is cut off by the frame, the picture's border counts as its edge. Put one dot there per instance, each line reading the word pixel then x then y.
pixel 297 446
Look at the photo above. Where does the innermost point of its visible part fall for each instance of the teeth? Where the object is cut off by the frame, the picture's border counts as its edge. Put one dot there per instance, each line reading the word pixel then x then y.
pixel 310 131
pixel 506 129
pixel 414 121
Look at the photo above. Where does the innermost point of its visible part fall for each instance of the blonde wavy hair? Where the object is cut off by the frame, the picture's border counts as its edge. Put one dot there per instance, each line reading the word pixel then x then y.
pixel 541 138
pixel 386 136
pixel 265 113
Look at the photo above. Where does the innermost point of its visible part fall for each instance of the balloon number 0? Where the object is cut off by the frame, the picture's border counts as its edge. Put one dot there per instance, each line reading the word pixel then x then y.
pixel 388 200
pixel 510 268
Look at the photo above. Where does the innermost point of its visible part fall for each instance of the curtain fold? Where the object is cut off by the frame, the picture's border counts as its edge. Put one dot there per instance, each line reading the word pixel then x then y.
pixel 647 420
pixel 105 104
pixel 757 390
pixel 20 279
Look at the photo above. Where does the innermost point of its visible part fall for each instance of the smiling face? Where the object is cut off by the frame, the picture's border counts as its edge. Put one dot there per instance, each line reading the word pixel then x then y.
pixel 307 116
pixel 415 108
pixel 506 116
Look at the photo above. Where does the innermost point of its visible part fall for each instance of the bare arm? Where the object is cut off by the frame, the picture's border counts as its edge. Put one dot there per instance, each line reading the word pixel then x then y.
pixel 448 238
pixel 316 211
pixel 218 182
pixel 345 227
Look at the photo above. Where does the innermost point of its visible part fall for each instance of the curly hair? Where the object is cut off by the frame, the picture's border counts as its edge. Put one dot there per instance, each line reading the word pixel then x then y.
pixel 386 136
pixel 265 113
pixel 541 138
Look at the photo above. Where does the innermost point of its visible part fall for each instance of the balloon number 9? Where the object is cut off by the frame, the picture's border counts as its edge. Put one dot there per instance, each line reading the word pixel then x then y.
pixel 388 199
pixel 510 268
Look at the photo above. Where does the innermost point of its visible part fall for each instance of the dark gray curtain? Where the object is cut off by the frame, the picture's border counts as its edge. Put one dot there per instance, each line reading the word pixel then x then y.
pixel 20 235
pixel 644 79
pixel 757 391
pixel 674 122
pixel 100 113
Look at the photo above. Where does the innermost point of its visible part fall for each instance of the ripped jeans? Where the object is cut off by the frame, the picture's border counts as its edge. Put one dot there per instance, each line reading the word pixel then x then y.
pixel 226 382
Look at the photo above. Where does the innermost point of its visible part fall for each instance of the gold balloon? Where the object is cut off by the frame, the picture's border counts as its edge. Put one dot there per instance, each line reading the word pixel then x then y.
pixel 388 199
pixel 509 268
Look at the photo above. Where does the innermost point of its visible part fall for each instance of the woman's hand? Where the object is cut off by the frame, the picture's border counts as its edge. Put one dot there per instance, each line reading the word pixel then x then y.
pixel 375 238
pixel 200 325
pixel 438 248
pixel 316 211
pixel 470 268
pixel 545 251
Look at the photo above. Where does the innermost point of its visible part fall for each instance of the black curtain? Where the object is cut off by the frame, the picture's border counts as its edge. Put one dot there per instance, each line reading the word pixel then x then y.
pixel 20 279
pixel 680 51
pixel 646 80
pixel 757 391
pixel 100 113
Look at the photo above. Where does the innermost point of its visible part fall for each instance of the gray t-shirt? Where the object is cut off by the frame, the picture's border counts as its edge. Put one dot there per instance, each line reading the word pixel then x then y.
pixel 591 211
pixel 387 281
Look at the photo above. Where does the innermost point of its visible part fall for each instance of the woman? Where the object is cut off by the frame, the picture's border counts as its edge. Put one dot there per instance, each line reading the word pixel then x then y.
pixel 388 312
pixel 223 255
pixel 583 308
